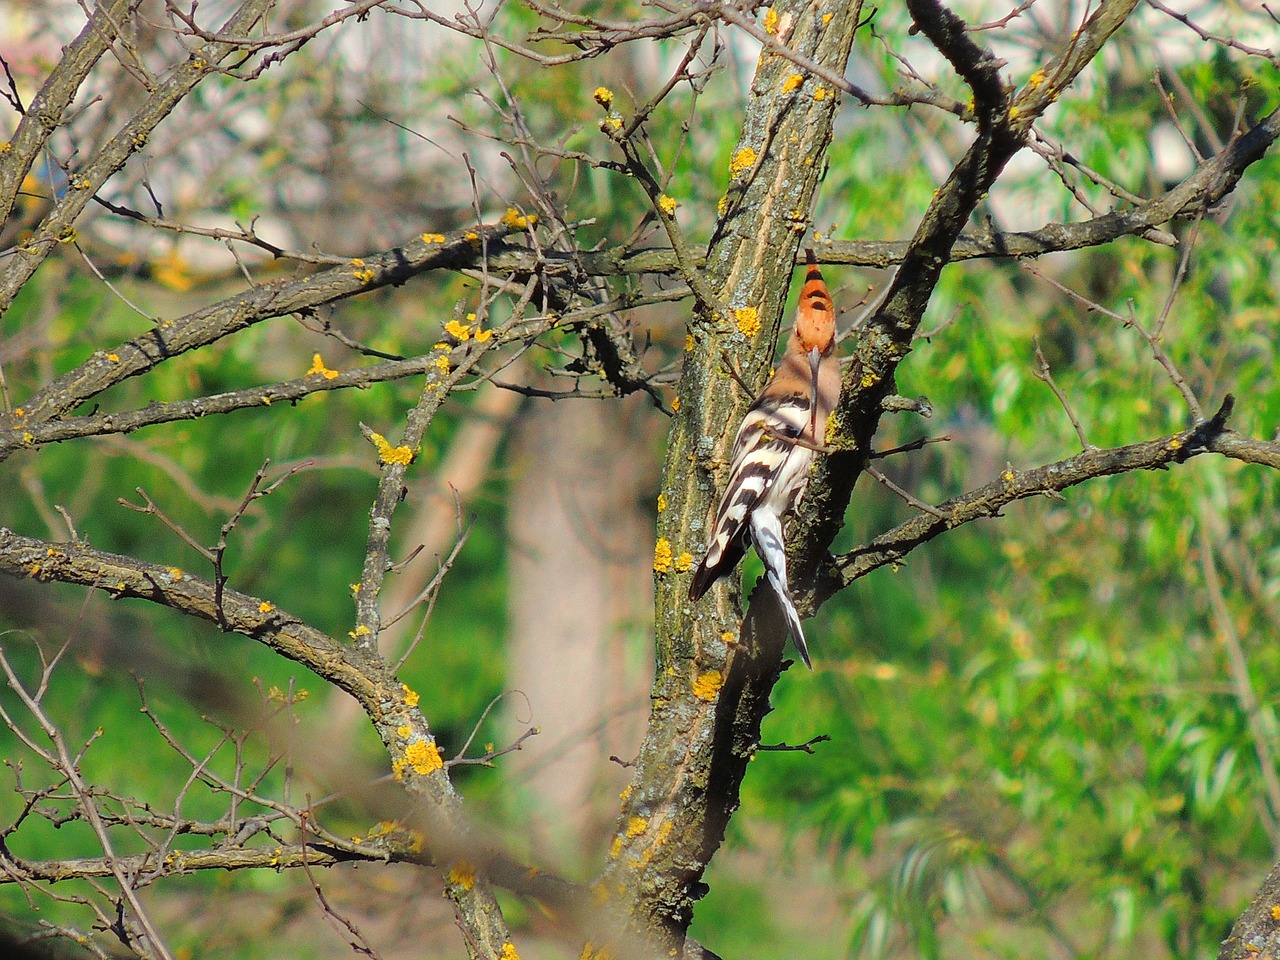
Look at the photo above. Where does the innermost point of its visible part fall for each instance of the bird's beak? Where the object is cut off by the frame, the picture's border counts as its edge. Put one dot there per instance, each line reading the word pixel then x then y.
pixel 814 359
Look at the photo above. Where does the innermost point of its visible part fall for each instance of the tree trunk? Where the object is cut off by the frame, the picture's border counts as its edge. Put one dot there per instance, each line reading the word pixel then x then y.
pixel 581 607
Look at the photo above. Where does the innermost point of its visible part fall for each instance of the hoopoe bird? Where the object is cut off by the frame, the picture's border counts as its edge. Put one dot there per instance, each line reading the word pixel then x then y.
pixel 769 470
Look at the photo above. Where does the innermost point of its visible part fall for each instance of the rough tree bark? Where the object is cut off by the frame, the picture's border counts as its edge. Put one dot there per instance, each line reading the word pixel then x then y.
pixel 685 786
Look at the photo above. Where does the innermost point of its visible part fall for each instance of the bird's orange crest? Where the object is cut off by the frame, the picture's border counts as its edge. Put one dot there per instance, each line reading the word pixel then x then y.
pixel 816 319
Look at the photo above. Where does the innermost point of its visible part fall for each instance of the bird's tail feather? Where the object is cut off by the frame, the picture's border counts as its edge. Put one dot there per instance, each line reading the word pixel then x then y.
pixel 793 619
pixel 766 531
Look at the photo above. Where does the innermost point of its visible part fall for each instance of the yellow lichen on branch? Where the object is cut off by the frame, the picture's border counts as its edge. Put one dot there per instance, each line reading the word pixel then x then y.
pixel 318 368
pixel 662 555
pixel 459 331
pixel 361 272
pixel 401 456
pixel 516 220
pixel 463 875
pixel 424 755
pixel 747 320
pixel 742 161
pixel 707 685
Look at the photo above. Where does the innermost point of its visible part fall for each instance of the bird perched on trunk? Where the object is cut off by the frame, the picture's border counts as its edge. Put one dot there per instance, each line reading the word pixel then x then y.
pixel 769 468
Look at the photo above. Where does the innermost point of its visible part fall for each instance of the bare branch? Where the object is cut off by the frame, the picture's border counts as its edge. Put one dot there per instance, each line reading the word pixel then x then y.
pixel 89 178
pixel 1043 373
pixel 1209 436
pixel 153 944
pixel 1218 39
pixel 806 747
pixel 902 494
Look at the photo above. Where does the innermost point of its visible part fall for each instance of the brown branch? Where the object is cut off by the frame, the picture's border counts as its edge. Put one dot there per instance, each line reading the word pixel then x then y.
pixel 903 495
pixel 590 43
pixel 178 863
pixel 359 10
pixel 394 463
pixel 1218 39
pixel 1044 374
pixel 50 104
pixel 1002 129
pixel 169 339
pixel 26 434
pixel 88 179
pixel 975 64
pixel 1204 187
pixel 172 338
pixel 1153 340
pixel 908 447
pixel 806 747
pixel 123 577
pixel 1207 185
pixel 1210 436
pixel 664 208
pixel 244 235
pixel 391 706
pixel 770 41
pixel 68 766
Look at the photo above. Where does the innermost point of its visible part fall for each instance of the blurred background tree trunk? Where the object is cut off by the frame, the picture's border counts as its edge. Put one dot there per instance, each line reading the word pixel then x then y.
pixel 580 599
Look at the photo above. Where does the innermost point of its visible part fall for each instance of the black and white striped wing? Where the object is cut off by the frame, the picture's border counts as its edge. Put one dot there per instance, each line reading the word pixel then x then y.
pixel 765 471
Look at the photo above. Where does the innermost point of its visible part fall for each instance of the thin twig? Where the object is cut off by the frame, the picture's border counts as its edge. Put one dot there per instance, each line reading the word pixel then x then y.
pixel 912 501
pixel 1043 373
pixel 149 508
pixel 1158 352
pixel 486 759
pixel 433 585
pixel 60 759
pixel 1166 99
pixel 806 747
pixel 355 939
pixel 908 447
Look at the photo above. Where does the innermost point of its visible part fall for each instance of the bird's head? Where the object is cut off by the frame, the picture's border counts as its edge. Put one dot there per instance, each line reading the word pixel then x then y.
pixel 815 328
